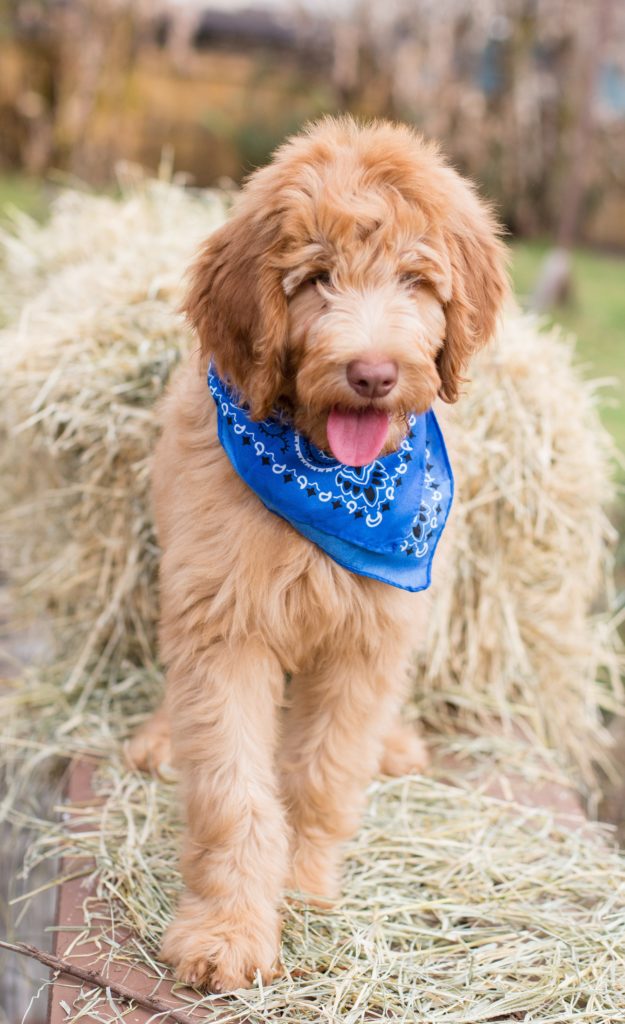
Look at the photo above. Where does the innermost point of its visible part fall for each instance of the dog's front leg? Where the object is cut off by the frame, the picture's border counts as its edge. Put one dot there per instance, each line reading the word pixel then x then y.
pixel 223 702
pixel 336 725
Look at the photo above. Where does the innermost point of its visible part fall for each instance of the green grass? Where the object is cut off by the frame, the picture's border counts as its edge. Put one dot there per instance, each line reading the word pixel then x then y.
pixel 20 192
pixel 595 315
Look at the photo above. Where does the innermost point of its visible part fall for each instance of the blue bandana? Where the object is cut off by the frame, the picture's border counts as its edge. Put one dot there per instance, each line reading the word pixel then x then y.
pixel 383 520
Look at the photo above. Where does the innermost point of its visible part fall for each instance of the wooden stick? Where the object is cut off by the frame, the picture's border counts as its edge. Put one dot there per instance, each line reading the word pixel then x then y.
pixel 94 978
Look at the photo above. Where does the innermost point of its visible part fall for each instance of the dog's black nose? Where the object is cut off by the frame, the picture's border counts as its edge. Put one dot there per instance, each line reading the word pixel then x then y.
pixel 371 380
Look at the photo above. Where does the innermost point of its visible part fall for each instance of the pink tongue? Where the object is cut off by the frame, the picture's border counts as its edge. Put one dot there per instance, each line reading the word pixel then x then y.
pixel 357 437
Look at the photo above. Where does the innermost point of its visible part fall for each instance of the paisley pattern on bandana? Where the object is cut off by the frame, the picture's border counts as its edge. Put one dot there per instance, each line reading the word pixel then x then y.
pixel 383 520
pixel 367 481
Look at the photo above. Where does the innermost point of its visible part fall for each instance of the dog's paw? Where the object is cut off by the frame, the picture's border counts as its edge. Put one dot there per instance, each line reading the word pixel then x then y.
pixel 404 753
pixel 149 750
pixel 221 955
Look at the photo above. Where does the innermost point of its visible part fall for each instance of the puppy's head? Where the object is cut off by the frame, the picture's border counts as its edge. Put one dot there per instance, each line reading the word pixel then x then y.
pixel 358 275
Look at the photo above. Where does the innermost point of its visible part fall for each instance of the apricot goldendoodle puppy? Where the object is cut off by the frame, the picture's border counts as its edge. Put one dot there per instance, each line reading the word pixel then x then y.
pixel 299 498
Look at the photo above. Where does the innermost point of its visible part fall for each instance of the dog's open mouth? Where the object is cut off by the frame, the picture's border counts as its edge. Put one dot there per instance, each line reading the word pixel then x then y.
pixel 357 436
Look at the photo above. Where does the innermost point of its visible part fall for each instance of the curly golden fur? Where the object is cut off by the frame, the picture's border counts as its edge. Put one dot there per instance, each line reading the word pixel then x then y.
pixel 356 242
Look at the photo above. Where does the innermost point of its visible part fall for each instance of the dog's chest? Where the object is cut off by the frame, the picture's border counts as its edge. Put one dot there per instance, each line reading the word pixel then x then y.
pixel 302 600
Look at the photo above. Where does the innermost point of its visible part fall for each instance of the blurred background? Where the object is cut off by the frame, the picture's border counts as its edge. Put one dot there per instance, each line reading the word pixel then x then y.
pixel 526 96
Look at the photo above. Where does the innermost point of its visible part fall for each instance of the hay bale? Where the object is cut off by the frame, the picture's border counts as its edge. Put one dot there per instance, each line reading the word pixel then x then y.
pixel 92 338
pixel 83 362
pixel 512 633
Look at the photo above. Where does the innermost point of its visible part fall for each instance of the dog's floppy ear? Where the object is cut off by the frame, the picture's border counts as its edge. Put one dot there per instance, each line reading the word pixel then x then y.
pixel 238 307
pixel 479 285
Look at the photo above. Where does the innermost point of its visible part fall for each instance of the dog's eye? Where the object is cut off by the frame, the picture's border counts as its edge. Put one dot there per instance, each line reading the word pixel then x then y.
pixel 411 280
pixel 321 277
